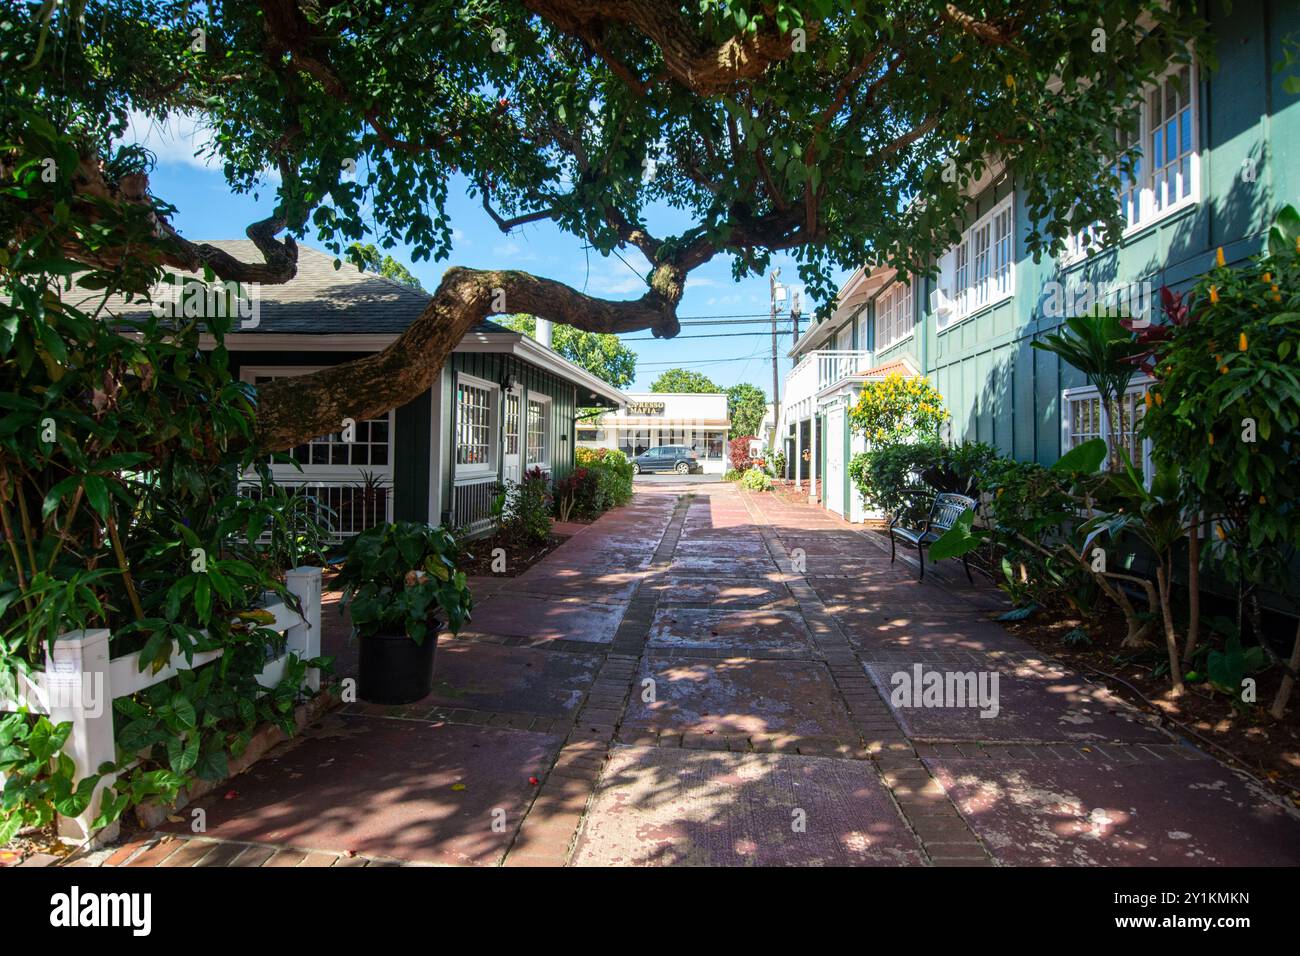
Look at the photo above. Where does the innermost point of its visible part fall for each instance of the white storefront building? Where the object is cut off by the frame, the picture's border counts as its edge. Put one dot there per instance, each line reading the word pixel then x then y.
pixel 698 421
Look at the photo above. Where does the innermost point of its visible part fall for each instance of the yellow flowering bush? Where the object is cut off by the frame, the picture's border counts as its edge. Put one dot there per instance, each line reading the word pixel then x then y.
pixel 898 408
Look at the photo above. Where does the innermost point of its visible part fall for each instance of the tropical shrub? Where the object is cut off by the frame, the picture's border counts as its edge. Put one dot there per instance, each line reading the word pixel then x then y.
pixel 602 480
pixel 1101 346
pixel 40 780
pixel 122 448
pixel 960 468
pixel 1226 407
pixel 733 474
pixel 396 577
pixel 887 477
pixel 525 517
pixel 756 479
pixel 777 463
pixel 738 450
pixel 897 409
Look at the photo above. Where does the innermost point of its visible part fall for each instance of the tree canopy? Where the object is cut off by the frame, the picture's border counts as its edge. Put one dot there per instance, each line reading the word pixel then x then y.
pixel 746 405
pixel 683 380
pixel 838 135
pixel 373 260
pixel 602 355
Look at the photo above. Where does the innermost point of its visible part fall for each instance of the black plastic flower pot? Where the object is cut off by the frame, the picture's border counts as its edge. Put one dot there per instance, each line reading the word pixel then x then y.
pixel 393 669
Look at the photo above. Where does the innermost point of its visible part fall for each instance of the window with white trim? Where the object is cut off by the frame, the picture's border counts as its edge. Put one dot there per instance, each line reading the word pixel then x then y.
pixel 539 439
pixel 894 319
pixel 1084 418
pixel 1170 140
pixel 1165 174
pixel 366 444
pixel 475 408
pixel 981 268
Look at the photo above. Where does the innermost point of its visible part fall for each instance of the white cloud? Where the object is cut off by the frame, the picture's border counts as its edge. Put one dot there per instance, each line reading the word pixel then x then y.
pixel 178 139
pixel 181 138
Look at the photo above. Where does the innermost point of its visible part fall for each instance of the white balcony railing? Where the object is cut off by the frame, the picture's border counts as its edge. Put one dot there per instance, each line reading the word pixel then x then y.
pixel 344 507
pixel 817 371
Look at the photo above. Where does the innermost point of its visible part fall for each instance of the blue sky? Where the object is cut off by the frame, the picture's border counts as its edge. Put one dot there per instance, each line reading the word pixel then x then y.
pixel 208 210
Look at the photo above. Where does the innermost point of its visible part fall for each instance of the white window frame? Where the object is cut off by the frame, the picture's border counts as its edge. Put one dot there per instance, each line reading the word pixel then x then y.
pixel 494 427
pixel 999 280
pixel 1141 188
pixel 1137 388
pixel 548 439
pixel 287 472
pixel 895 315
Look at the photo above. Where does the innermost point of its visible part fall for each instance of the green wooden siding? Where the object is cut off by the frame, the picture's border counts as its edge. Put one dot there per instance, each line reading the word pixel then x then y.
pixel 411 434
pixel 1001 391
pixel 498 368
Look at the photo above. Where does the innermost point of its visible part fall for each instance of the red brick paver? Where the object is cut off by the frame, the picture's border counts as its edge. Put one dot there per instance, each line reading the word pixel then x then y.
pixel 705 677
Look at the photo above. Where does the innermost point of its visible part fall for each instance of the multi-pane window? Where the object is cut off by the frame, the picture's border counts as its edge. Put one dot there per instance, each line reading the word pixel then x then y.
pixel 713 445
pixel 1130 180
pixel 512 424
pixel 980 270
pixel 365 444
pixel 981 278
pixel 894 315
pixel 1163 161
pixel 536 432
pixel 1002 249
pixel 961 286
pixel 1086 419
pixel 1169 118
pixel 473 425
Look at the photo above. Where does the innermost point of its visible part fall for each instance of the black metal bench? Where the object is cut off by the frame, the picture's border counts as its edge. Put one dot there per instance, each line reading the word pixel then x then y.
pixel 943 514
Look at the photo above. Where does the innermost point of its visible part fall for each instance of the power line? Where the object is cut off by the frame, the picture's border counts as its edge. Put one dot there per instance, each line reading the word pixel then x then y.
pixel 764 320
pixel 715 335
pixel 737 358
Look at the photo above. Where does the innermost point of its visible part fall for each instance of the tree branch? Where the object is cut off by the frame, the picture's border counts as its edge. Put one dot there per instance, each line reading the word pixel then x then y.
pixel 293 411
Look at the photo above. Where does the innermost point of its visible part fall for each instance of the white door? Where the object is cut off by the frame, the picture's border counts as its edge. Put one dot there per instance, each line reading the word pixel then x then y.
pixel 833 481
pixel 510 446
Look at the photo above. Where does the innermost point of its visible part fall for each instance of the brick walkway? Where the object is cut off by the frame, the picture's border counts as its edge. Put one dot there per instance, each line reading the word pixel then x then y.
pixel 704 677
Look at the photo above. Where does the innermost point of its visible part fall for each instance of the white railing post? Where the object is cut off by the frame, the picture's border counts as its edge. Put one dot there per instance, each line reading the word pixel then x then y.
pixel 78 691
pixel 303 638
pixel 812 456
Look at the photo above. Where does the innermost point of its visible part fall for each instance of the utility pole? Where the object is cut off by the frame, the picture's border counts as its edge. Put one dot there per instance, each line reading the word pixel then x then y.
pixel 777 294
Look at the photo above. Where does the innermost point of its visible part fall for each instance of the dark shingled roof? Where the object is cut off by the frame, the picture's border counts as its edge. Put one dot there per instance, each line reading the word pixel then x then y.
pixel 322 300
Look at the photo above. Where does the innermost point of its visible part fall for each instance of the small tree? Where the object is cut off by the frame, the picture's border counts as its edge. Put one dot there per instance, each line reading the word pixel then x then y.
pixel 1103 349
pixel 738 449
pixel 683 380
pixel 898 409
pixel 746 406
pixel 1226 406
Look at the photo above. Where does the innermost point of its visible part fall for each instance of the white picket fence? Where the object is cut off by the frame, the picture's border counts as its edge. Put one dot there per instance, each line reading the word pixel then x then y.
pixel 80 683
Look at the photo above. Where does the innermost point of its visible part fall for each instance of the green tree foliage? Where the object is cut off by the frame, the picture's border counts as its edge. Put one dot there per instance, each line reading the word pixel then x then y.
pixel 372 260
pixel 898 408
pixel 602 355
pixel 763 127
pixel 746 405
pixel 1102 348
pixel 683 380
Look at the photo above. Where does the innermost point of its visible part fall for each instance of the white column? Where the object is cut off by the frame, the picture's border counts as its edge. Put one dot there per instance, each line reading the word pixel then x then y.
pixel 544 332
pixel 304 639
pixel 798 452
pixel 78 691
pixel 812 455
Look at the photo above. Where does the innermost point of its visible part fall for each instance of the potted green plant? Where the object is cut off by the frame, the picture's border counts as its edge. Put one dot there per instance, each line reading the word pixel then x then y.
pixel 401 586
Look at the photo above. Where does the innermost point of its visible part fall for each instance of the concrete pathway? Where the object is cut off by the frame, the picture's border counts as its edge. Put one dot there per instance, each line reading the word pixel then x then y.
pixel 704 677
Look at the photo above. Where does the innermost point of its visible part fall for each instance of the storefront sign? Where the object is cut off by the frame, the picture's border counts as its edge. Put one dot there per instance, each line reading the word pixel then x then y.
pixel 645 408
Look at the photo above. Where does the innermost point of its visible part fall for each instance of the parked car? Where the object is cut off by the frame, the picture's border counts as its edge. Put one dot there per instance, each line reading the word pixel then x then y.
pixel 676 458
